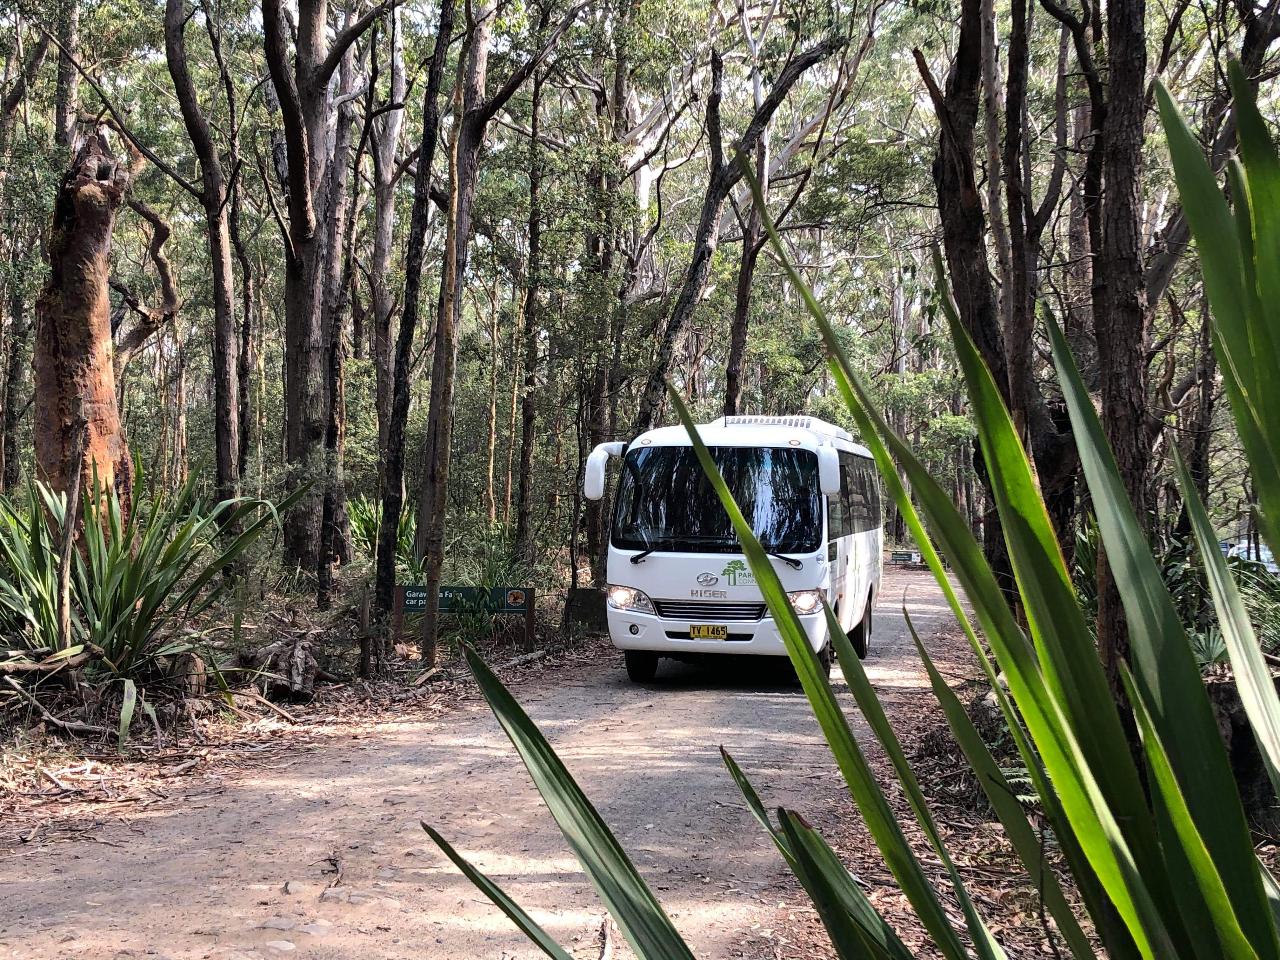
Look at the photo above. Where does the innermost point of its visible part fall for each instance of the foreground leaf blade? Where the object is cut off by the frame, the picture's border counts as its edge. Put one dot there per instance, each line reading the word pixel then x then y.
pixel 1165 670
pixel 1021 835
pixel 1254 682
pixel 639 915
pixel 879 937
pixel 879 817
pixel 528 926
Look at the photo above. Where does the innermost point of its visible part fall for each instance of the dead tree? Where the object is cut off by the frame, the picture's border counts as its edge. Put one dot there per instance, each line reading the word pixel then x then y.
pixel 75 380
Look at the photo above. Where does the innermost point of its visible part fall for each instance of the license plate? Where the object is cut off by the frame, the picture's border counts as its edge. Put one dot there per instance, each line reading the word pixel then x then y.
pixel 709 631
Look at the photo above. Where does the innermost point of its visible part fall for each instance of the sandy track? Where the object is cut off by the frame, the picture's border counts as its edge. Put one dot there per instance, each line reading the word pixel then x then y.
pixel 237 875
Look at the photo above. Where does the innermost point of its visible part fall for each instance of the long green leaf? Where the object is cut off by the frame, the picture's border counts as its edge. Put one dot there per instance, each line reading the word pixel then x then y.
pixel 528 926
pixel 879 817
pixel 846 934
pixel 639 915
pixel 1254 681
pixel 1165 669
pixel 837 880
pixel 1234 944
pixel 1017 828
pixel 873 713
pixel 1244 334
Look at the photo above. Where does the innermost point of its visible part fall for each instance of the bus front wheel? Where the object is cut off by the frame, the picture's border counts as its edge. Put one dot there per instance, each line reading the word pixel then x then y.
pixel 642 666
pixel 860 636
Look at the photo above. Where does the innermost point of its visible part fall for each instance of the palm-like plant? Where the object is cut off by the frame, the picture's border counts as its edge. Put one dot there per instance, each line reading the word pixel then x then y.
pixel 1157 845
pixel 134 576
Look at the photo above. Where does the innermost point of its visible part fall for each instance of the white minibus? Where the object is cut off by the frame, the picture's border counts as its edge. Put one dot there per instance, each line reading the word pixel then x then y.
pixel 678 583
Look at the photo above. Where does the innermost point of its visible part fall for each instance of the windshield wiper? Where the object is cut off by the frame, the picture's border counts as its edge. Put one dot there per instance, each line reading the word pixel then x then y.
pixel 639 557
pixel 791 562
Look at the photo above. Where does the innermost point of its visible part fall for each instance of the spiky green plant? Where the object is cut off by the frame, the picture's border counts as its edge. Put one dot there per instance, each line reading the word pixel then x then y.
pixel 136 574
pixel 1157 846
pixel 365 514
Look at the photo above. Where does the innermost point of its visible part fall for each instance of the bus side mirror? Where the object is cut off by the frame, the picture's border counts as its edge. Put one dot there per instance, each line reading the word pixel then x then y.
pixel 828 471
pixel 597 465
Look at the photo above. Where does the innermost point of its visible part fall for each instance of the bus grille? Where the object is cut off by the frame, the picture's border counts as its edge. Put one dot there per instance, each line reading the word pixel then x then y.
pixel 708 610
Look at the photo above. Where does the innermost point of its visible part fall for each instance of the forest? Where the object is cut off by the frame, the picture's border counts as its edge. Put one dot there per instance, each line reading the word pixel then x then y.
pixel 424 260
pixel 307 301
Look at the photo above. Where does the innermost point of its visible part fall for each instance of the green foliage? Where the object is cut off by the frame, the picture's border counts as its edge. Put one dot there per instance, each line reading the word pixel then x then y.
pixel 1187 582
pixel 365 514
pixel 136 575
pixel 1157 846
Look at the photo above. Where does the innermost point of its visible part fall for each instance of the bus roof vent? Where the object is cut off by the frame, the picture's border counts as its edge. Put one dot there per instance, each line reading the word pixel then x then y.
pixel 812 424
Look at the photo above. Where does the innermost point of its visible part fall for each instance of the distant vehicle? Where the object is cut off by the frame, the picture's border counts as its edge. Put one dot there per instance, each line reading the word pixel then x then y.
pixel 1263 555
pixel 678 583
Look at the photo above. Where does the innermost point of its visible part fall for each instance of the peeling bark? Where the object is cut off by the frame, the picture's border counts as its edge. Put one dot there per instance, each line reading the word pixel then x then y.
pixel 74 373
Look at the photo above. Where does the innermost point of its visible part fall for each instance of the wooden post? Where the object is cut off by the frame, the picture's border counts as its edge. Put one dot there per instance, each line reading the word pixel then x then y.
pixel 529 620
pixel 397 615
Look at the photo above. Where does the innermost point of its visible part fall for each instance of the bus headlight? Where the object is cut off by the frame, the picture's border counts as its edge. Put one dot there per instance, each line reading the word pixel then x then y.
pixel 629 598
pixel 805 602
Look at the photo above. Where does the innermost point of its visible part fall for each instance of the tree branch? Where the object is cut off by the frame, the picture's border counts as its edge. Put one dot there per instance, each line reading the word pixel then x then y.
pixel 522 73
pixel 120 125
pixel 349 36
pixel 301 205
pixel 782 86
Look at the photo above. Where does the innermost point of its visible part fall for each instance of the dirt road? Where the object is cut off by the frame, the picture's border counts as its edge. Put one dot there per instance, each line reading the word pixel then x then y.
pixel 238 874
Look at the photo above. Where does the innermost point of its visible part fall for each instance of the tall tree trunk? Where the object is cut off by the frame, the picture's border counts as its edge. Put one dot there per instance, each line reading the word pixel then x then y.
pixel 476 112
pixel 1119 301
pixel 752 242
pixel 386 143
pixel 75 388
pixel 491 438
pixel 529 328
pixel 67 91
pixel 301 80
pixel 465 163
pixel 420 219
pixel 245 360
pixel 1078 281
pixel 964 240
pixel 338 258
pixel 16 365
pixel 226 336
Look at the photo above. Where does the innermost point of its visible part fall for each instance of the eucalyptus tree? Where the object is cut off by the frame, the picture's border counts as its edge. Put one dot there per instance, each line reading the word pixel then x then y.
pixel 213 198
pixel 302 68
pixel 475 110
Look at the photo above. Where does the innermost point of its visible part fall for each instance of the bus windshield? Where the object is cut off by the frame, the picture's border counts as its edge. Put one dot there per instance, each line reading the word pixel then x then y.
pixel 665 501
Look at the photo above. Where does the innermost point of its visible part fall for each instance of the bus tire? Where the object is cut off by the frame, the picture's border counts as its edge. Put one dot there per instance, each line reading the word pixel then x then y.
pixel 860 636
pixel 825 657
pixel 642 666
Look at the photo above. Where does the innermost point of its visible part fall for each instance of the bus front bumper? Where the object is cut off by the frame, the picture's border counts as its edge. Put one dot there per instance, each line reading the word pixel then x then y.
pixel 640 631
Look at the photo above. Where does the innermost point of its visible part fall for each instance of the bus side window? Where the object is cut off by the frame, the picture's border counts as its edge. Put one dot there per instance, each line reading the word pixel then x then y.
pixel 873 488
pixel 835 516
pixel 855 493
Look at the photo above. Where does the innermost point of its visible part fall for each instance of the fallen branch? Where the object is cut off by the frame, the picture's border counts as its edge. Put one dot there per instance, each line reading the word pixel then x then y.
pixel 91 652
pixel 259 698
pixel 56 782
pixel 70 726
pixel 522 659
